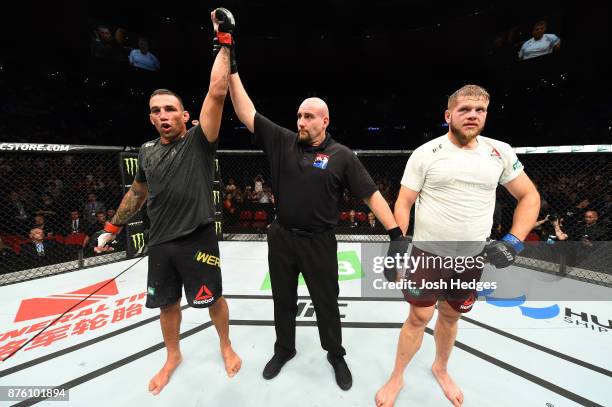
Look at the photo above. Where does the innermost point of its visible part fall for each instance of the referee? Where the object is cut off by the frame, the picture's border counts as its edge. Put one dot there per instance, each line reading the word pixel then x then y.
pixel 309 172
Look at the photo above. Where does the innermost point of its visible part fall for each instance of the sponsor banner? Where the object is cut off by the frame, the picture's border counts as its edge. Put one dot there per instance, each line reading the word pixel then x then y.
pixel 593 148
pixel 135 230
pixel 217 199
pixel 53 148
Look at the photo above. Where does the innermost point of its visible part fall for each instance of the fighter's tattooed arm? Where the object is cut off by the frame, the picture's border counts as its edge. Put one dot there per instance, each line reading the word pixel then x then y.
pixel 130 204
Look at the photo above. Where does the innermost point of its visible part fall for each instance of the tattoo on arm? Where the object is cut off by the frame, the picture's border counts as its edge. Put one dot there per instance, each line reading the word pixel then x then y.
pixel 130 204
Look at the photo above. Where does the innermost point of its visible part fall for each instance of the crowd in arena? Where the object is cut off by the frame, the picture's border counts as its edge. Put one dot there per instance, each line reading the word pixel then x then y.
pixel 51 205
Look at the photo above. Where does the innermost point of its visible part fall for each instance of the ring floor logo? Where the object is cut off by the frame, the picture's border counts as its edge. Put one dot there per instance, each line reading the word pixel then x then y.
pixel 349 268
pixel 547 312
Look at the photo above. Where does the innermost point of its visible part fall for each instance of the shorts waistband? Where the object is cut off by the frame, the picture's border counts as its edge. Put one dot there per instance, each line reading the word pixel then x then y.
pixel 304 232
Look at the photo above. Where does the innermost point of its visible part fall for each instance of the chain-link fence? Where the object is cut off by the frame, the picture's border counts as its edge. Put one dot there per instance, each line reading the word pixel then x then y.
pixel 574 182
pixel 52 199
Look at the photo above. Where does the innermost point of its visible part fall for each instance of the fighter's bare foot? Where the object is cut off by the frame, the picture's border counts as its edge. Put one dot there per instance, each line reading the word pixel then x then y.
pixel 231 360
pixel 451 390
pixel 160 380
pixel 385 397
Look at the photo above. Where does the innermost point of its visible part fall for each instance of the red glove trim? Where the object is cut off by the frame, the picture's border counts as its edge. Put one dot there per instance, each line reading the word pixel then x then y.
pixel 224 38
pixel 110 228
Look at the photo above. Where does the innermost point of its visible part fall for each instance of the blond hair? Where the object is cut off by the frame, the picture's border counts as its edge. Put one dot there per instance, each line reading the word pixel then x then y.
pixel 470 91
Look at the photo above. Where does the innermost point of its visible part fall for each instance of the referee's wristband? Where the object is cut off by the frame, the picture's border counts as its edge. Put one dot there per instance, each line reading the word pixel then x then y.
pixel 114 229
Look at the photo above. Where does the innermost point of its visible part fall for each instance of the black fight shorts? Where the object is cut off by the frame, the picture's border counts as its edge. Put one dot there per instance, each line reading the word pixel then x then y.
pixel 191 261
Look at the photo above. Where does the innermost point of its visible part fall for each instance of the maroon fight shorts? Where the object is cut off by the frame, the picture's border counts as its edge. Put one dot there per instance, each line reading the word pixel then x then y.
pixel 431 281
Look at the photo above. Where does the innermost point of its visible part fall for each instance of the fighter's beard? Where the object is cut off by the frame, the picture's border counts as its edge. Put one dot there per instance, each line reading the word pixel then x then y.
pixel 464 137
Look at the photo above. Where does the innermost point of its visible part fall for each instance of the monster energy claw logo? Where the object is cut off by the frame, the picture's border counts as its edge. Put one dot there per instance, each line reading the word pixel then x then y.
pixel 138 240
pixel 216 197
pixel 131 165
pixel 217 227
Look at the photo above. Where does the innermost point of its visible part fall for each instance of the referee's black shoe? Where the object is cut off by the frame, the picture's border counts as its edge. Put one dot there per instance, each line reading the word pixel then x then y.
pixel 342 372
pixel 274 366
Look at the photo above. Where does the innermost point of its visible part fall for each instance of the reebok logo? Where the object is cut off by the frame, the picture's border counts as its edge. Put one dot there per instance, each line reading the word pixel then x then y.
pixel 204 296
pixel 33 308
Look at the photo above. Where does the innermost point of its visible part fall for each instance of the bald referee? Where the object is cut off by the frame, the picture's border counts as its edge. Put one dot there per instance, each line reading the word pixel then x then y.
pixel 309 173
pixel 176 173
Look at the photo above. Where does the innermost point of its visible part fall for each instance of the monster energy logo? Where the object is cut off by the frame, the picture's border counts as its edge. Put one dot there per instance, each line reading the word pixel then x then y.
pixel 131 165
pixel 218 227
pixel 216 197
pixel 138 240
pixel 217 164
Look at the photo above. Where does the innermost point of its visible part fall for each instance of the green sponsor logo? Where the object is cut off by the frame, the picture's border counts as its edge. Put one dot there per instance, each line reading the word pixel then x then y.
pixel 605 147
pixel 577 148
pixel 530 150
pixel 552 149
pixel 415 292
pixel 151 290
pixel 349 268
pixel 131 165
pixel 138 240
pixel 517 164
pixel 216 197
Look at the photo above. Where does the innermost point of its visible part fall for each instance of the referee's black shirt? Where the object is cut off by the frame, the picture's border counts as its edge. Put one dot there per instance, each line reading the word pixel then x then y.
pixel 307 181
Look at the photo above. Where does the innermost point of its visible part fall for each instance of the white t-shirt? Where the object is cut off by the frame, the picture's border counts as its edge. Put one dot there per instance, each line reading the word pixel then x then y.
pixel 457 188
pixel 146 61
pixel 534 48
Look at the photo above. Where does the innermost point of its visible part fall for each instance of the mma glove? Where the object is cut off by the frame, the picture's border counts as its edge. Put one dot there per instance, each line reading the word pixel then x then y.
pixel 502 253
pixel 399 245
pixel 224 37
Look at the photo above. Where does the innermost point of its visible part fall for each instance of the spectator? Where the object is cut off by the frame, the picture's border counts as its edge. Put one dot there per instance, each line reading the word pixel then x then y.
pixel 110 213
pixel 258 181
pixel 41 223
pixel 39 252
pixel 265 196
pixel 75 224
pixel 228 205
pixel 48 209
pixel 142 58
pixel 249 195
pixel 351 222
pixel 373 225
pixel 587 231
pixel 91 208
pixel 540 44
pixel 17 213
pixel 238 196
pixel 104 49
pixel 231 186
pixel 99 223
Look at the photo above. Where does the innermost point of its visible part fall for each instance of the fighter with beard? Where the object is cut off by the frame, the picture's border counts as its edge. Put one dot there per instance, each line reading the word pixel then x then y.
pixel 453 180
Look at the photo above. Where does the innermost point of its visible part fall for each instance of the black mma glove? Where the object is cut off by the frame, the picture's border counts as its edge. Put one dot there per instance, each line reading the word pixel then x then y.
pixel 224 37
pixel 502 253
pixel 399 245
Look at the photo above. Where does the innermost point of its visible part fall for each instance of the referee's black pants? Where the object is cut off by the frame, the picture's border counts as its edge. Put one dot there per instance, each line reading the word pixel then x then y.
pixel 289 254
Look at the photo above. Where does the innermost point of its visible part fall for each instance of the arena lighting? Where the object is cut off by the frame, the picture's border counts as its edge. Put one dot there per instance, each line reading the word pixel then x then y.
pixel 373 129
